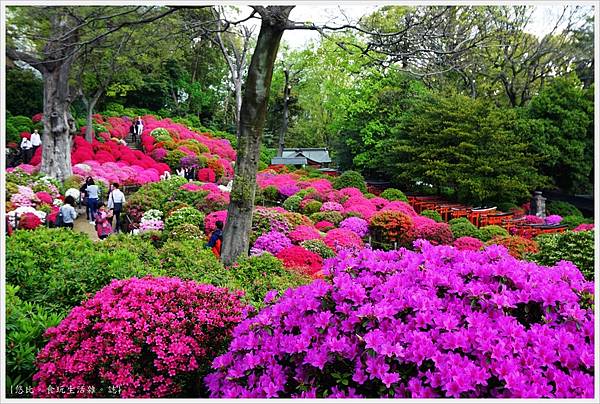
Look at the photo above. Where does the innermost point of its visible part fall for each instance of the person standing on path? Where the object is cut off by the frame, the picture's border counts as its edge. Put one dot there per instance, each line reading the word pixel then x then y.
pixel 116 200
pixel 36 141
pixel 139 126
pixel 26 150
pixel 93 193
pixel 103 219
pixel 68 212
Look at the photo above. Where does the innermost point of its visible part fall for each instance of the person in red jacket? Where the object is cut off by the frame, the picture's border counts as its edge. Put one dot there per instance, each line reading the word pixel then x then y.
pixel 216 239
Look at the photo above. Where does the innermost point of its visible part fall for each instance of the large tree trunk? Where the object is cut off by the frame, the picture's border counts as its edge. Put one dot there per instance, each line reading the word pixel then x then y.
pixel 284 126
pixel 58 123
pixel 252 119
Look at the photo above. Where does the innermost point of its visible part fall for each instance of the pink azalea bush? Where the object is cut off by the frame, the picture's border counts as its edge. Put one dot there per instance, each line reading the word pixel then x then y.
pixel 584 227
pixel 339 239
pixel 324 225
pixel 468 243
pixel 532 219
pixel 302 233
pixel 331 206
pixel 151 337
pixel 151 225
pixel 437 322
pixel 356 225
pixel 210 221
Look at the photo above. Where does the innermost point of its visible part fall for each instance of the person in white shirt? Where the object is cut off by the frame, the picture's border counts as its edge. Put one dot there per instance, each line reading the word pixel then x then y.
pixel 36 140
pixel 139 127
pixel 93 193
pixel 26 149
pixel 116 200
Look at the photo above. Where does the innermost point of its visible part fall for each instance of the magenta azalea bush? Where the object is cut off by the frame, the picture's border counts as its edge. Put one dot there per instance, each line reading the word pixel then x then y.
pixel 151 337
pixel 356 225
pixel 340 239
pixel 271 242
pixel 468 243
pixel 302 233
pixel 437 322
pixel 584 227
pixel 553 220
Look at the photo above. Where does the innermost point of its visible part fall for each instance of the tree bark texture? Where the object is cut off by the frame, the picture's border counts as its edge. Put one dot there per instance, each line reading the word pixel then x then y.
pixel 236 235
pixel 284 126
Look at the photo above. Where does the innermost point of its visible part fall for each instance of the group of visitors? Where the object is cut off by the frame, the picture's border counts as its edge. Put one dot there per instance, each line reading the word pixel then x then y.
pixel 136 129
pixel 29 146
pixel 97 213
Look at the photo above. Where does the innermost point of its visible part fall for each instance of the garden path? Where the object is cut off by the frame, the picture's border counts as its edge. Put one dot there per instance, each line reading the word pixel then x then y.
pixel 82 225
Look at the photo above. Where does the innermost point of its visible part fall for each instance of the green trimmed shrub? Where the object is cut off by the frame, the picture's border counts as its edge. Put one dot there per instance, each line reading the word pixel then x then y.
pixel 577 247
pixel 486 233
pixel 270 193
pixel 330 216
pixel 573 221
pixel 185 215
pixel 292 203
pixel 461 227
pixel 562 208
pixel 318 247
pixel 173 158
pixel 58 268
pixel 312 207
pixel 432 214
pixel 159 132
pixel 190 260
pixel 186 231
pixel 257 275
pixel 25 326
pixel 350 179
pixel 141 247
pixel 74 181
pixel 393 194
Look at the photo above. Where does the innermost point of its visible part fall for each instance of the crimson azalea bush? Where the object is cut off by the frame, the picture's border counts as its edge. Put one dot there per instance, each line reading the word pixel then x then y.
pixel 339 239
pixel 301 260
pixel 437 322
pixel 324 225
pixel 152 337
pixel 29 221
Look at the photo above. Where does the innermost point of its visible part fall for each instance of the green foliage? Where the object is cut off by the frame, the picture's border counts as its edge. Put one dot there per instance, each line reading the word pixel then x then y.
pixel 562 208
pixel 330 216
pixel 74 181
pixel 432 214
pixel 462 227
pixel 270 193
pixel 187 215
pixel 318 247
pixel 58 268
pixel 26 91
pixel 257 275
pixel 486 233
pixel 350 179
pixel 312 207
pixel 173 158
pixel 142 248
pixel 186 231
pixel 25 326
pixel 577 247
pixel 292 203
pixel 564 113
pixel 393 194
pixel 189 259
pixel 155 195
pixel 572 221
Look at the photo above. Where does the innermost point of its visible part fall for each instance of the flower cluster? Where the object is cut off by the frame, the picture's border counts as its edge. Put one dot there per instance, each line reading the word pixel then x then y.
pixel 271 242
pixel 324 225
pixel 331 206
pixel 532 219
pixel 584 227
pixel 151 225
pixel 340 239
pixel 150 336
pixel 152 214
pixel 437 322
pixel 356 225
pixel 302 233
pixel 302 260
pixel 210 221
pixel 468 243
pixel 553 220
pixel 29 221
